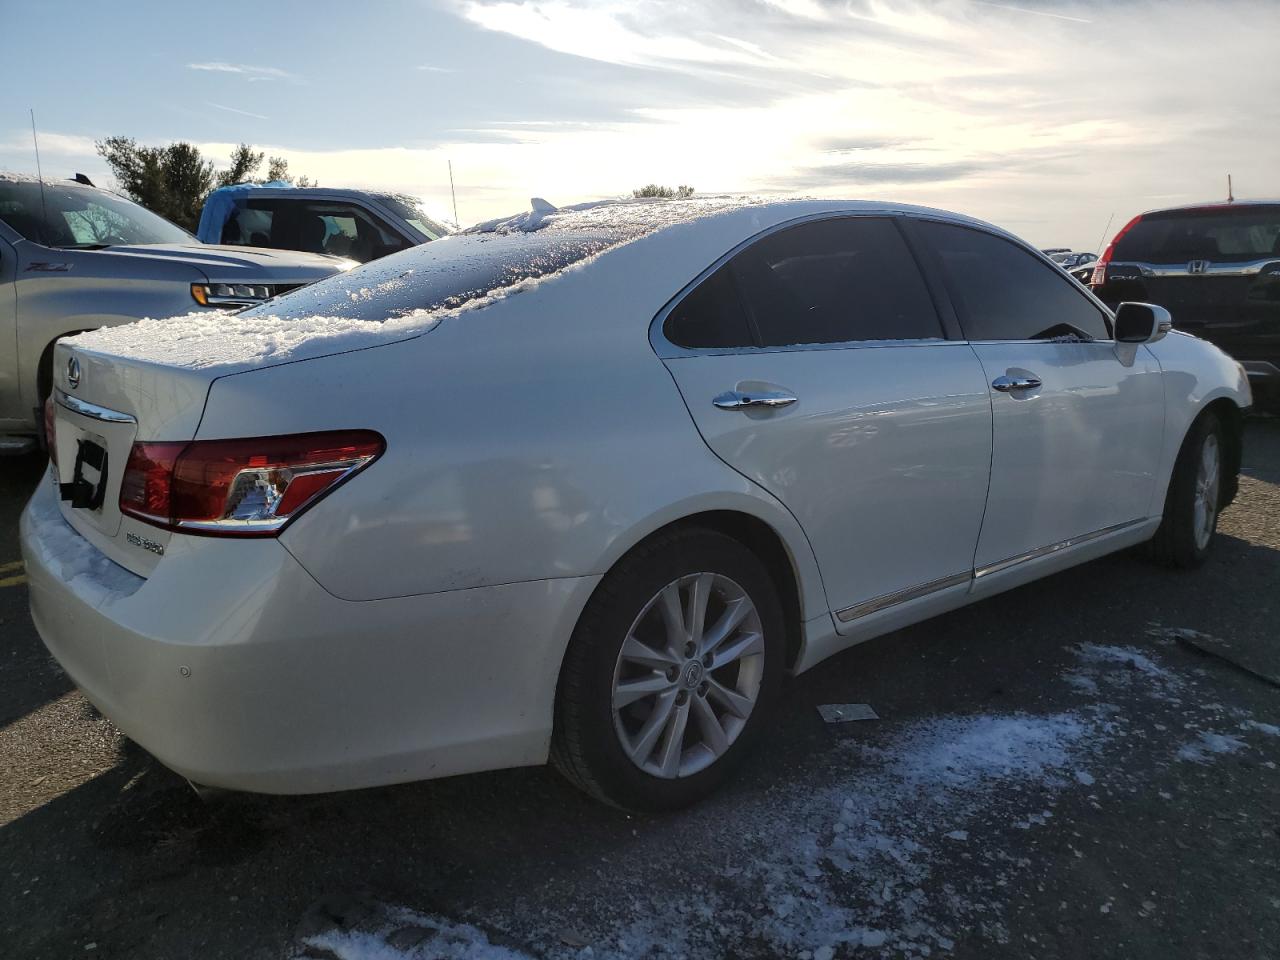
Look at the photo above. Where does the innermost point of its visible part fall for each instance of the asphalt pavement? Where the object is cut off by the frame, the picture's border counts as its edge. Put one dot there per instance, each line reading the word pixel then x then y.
pixel 1083 767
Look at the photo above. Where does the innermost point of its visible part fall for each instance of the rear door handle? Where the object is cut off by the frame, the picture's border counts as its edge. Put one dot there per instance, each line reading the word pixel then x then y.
pixel 1006 384
pixel 755 399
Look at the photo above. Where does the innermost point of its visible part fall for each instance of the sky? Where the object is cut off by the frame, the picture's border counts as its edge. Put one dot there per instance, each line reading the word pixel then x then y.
pixel 1057 121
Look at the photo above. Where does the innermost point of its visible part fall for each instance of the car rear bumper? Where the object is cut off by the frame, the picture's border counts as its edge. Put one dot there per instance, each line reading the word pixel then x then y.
pixel 236 669
pixel 1264 382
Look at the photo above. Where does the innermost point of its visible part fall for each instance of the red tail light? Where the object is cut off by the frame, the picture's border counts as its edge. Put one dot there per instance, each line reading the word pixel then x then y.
pixel 1099 275
pixel 242 488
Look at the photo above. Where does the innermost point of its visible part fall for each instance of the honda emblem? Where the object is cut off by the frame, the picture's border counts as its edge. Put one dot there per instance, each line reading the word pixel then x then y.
pixel 1197 266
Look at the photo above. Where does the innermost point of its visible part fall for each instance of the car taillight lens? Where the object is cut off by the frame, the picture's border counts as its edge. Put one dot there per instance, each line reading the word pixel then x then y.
pixel 242 488
pixel 1099 275
pixel 50 440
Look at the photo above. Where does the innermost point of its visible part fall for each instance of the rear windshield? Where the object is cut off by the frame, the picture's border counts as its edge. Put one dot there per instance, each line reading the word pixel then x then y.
pixel 1215 234
pixel 443 275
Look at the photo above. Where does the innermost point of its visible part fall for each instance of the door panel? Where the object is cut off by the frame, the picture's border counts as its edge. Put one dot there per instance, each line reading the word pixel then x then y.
pixel 883 458
pixel 1073 456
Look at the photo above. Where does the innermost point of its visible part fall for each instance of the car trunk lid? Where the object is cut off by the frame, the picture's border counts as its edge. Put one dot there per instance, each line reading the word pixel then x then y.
pixel 102 405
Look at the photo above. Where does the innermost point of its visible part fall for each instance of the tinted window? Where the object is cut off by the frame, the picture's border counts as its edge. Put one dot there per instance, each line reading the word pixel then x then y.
pixel 68 215
pixel 832 281
pixel 1215 234
pixel 1005 293
pixel 710 316
pixel 339 229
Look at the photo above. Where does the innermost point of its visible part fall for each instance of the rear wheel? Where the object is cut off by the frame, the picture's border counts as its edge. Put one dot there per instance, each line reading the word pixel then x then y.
pixel 675 663
pixel 1191 507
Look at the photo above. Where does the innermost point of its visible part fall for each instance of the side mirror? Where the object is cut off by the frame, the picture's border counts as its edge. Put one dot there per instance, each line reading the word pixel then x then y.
pixel 1142 323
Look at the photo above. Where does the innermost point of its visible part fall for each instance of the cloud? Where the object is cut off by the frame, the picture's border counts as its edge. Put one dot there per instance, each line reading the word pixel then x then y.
pixel 432 68
pixel 854 144
pixel 1038 13
pixel 844 175
pixel 1008 111
pixel 236 110
pixel 244 70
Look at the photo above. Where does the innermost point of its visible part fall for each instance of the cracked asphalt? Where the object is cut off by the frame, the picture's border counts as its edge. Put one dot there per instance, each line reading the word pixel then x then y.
pixel 1058 772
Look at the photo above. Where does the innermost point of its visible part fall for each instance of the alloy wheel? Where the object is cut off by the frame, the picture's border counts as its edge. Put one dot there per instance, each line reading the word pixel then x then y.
pixel 688 675
pixel 1206 491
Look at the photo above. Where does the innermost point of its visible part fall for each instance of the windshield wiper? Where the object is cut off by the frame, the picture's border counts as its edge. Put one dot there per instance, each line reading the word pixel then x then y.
pixel 83 246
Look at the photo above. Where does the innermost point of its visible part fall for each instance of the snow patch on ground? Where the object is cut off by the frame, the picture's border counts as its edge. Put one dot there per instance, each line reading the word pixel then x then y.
pixel 817 872
pixel 1122 668
pixel 1207 744
pixel 406 935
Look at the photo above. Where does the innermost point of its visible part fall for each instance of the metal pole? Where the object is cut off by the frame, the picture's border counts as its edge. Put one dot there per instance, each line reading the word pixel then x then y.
pixel 454 193
pixel 44 210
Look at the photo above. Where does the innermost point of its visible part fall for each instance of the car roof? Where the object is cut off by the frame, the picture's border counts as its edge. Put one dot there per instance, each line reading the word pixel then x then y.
pixel 305 192
pixel 632 217
pixel 1212 205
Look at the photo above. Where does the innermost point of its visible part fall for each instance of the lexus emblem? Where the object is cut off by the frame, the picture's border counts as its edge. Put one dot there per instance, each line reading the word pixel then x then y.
pixel 1197 266
pixel 73 373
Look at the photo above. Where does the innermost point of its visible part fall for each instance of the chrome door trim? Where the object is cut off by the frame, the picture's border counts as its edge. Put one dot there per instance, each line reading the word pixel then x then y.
pixel 867 607
pixel 1052 548
pixel 92 410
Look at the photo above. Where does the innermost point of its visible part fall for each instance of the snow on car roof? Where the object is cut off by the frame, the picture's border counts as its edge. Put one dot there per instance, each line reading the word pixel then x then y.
pixel 630 215
pixel 405 294
pixel 410 292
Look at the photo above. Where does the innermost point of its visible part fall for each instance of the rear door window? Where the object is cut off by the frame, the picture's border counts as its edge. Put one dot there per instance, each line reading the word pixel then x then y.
pixel 840 280
pixel 712 315
pixel 836 281
pixel 1005 293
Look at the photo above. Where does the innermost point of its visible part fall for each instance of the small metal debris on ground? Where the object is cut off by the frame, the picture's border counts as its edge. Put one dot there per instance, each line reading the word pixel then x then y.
pixel 846 712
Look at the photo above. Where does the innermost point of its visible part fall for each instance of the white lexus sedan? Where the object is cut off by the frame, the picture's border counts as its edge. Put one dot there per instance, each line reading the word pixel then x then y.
pixel 587 484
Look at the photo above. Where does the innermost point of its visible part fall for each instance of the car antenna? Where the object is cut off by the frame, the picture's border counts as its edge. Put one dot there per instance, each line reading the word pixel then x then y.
pixel 1230 196
pixel 44 210
pixel 456 223
pixel 1105 230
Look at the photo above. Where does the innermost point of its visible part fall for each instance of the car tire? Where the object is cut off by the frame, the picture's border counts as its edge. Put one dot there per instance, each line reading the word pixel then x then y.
pixel 628 640
pixel 1185 535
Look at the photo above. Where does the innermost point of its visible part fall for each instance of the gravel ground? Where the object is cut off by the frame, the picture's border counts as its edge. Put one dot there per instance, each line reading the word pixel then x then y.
pixel 1057 772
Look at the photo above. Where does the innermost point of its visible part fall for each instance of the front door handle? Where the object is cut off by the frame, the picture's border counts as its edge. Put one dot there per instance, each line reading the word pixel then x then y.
pixel 754 399
pixel 1006 384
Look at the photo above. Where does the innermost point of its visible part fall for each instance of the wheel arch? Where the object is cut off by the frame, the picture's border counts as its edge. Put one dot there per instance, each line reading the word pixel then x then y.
pixel 1231 417
pixel 785 553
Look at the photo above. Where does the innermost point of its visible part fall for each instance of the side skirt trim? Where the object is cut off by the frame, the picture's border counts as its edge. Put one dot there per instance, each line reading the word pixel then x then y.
pixel 1052 548
pixel 876 604
pixel 902 596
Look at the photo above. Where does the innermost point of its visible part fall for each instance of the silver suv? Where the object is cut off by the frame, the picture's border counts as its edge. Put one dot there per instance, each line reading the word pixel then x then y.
pixel 74 258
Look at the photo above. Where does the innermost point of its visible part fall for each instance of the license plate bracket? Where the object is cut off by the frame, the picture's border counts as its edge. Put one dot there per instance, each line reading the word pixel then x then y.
pixel 84 493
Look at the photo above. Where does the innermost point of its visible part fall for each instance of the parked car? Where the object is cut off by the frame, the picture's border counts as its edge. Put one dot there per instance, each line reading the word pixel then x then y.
pixel 1216 268
pixel 356 224
pixel 74 258
pixel 1068 260
pixel 587 485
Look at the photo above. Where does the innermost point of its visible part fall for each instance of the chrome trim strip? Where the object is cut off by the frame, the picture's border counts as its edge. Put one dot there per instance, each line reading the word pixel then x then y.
pixel 92 410
pixel 876 604
pixel 1211 268
pixel 1051 549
